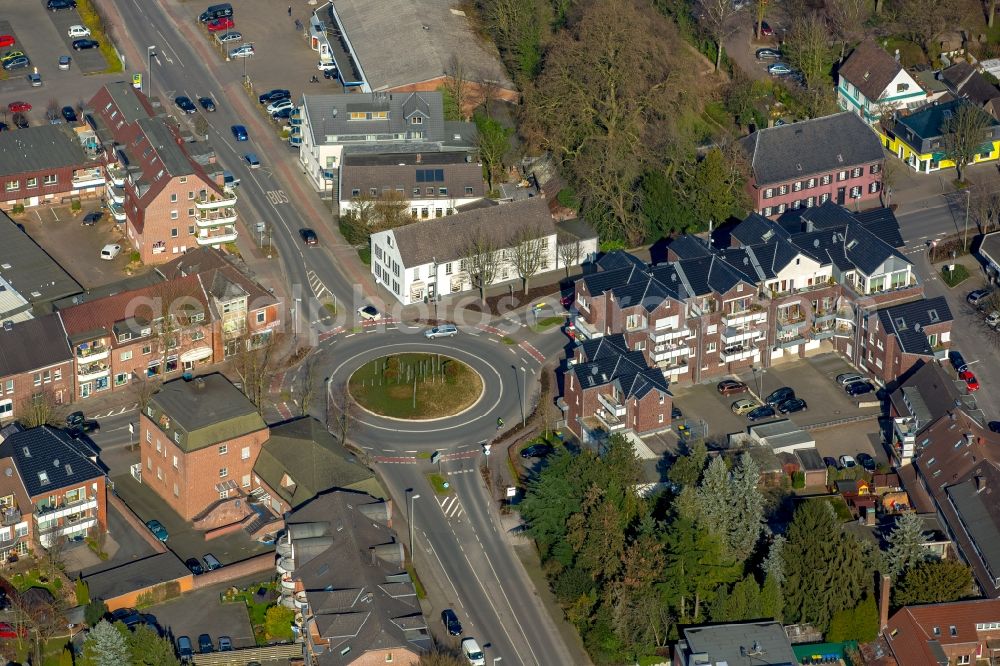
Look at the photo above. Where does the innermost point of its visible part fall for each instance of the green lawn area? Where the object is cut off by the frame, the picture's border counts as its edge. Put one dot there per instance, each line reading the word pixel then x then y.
pixel 546 323
pixel 256 604
pixel 415 386
pixel 437 482
pixel 910 54
pixel 366 255
pixel 50 654
pixel 33 578
pixel 956 277
pixel 417 585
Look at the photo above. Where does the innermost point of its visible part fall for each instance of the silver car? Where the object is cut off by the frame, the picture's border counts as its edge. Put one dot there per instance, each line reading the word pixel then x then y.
pixel 443 331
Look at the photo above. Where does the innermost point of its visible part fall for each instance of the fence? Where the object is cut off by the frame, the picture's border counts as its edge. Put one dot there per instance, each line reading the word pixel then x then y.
pixel 241 657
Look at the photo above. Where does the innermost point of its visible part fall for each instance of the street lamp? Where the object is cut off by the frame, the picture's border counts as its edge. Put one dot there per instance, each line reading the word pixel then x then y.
pixel 149 69
pixel 524 391
pixel 327 417
pixel 295 318
pixel 409 519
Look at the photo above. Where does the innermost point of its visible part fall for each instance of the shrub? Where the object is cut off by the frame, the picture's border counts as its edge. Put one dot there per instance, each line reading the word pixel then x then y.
pixel 82 593
pixel 278 623
pixel 798 480
pixel 18 209
pixel 75 205
pixel 94 611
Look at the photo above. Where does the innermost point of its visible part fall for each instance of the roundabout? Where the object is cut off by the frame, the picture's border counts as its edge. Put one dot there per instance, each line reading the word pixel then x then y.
pixel 415 387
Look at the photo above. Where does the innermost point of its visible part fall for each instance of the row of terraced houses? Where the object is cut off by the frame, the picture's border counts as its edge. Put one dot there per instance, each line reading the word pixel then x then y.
pixel 820 279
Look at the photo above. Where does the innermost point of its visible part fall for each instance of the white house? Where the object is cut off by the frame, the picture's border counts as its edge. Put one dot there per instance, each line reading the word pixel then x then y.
pixel 431 184
pixel 872 82
pixel 324 127
pixel 430 258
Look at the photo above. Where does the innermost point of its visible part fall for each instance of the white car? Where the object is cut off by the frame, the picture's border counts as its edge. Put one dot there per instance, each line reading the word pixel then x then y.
pixel 224 37
pixel 244 51
pixel 472 652
pixel 77 31
pixel 443 331
pixel 369 313
pixel 847 462
pixel 280 105
pixel 324 66
pixel 109 252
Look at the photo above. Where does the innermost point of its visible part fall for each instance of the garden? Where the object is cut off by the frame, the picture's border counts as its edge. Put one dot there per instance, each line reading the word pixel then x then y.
pixel 415 386
pixel 271 623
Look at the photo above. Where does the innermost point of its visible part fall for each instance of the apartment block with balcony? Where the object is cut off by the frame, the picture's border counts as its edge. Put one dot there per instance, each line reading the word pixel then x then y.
pixel 52 491
pixel 168 200
pixel 35 361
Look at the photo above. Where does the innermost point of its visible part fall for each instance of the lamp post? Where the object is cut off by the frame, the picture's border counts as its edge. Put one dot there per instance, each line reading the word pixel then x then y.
pixel 327 411
pixel 409 519
pixel 524 391
pixel 295 318
pixel 149 69
pixel 245 67
pixel 968 204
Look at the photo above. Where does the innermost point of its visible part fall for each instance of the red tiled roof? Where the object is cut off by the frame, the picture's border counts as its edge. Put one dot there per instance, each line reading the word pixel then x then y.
pixel 206 262
pixel 911 630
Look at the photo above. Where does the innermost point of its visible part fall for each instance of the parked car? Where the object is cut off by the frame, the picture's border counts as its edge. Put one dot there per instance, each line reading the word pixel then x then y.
pixel 741 407
pixel 90 219
pixel 994 426
pixel 76 422
pixel 240 133
pixel 760 413
pixel 6 40
pixel 77 31
pixel 993 319
pixel 252 160
pixel 768 54
pixel 859 388
pixel 971 382
pixel 274 96
pixel 185 104
pixel 847 462
pixel 780 395
pixel 57 5
pixel 326 66
pixel 848 377
pixel 309 236
pixel 110 251
pixel 85 44
pixel 18 107
pixel 35 79
pixel 957 360
pixel 283 114
pixel 443 331
pixel 220 24
pixel 69 114
pixel 184 650
pixel 242 51
pixel 194 566
pixel 20 121
pixel 158 530
pixel 766 30
pixel 279 105
pixel 793 405
pixel 450 622
pixel 64 62
pixel 207 103
pixel 225 644
pixel 211 562
pixel 536 451
pixel 830 461
pixel 866 461
pixel 205 644
pixel 978 296
pixel 8 632
pixel 676 413
pixel 779 69
pixel 229 37
pixel 731 387
pixel 17 62
pixel 369 313
pixel 130 617
pixel 472 652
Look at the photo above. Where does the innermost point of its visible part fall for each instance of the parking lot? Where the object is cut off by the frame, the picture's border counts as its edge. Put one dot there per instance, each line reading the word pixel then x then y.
pixel 122 544
pixel 77 248
pixel 202 612
pixel 811 378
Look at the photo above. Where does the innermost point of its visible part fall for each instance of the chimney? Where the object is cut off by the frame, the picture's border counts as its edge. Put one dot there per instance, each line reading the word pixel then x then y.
pixel 980 484
pixel 897 55
pixel 199 384
pixel 883 602
pixel 8 325
pixel 419 158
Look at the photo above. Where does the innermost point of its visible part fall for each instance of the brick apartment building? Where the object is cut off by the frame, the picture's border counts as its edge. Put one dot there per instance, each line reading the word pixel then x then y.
pixel 833 158
pixel 34 360
pixel 821 279
pixel 170 203
pixel 959 632
pixel 199 440
pixel 51 490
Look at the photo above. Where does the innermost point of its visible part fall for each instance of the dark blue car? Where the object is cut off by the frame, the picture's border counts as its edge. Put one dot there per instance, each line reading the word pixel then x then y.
pixel 240 132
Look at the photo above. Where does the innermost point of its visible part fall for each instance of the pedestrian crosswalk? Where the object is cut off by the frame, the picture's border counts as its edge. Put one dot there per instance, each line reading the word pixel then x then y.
pixel 451 507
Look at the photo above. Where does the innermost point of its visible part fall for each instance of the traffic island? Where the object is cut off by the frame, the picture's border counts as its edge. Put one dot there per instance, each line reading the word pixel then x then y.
pixel 416 386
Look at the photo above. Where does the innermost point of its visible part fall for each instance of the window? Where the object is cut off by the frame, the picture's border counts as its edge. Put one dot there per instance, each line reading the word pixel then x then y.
pixel 873 187
pixel 245 453
pixel 856 172
pixel 121 379
pixel 876 168
pixel 856 192
pixel 468 190
pixel 766 212
pixel 223 449
pixel 797 186
pixel 50 179
pixel 176 491
pixel 373 191
pixel 173 232
pixel 57 376
pixel 811 183
pixel 146 349
pixel 261 317
pixel 183 179
pixel 417 120
pixel 10 385
pixel 710 347
pixel 32 182
pixel 197 335
pixel 245 482
pixel 768 193
pixel 173 198
pixel 824 197
pixel 38 379
pixel 810 202
pixel 447 268
pixel 826 179
pixel 6 407
pixel 125 355
pixel 964 659
pixel 223 472
pixel 149 436
pixel 175 462
pixel 13 186
pixel 783 189
pixel 842 176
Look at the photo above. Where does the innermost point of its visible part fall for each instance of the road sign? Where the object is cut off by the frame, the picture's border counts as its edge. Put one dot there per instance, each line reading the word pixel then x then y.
pixel 137 81
pixel 435 457
pixel 131 429
pixel 486 449
pixel 511 491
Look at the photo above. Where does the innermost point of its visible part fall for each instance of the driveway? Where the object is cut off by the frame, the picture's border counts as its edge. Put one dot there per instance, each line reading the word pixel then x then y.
pixel 123 545
pixel 202 612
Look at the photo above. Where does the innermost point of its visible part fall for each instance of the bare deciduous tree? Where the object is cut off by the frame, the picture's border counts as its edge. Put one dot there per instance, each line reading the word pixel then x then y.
pixel 529 253
pixel 43 616
pixel 458 84
pixel 143 388
pixel 254 367
pixel 569 250
pixel 489 89
pixel 370 214
pixel 807 48
pixel 965 132
pixel 37 410
pixel 341 411
pixel 718 19
pixel 482 260
pixel 307 384
pixel 848 20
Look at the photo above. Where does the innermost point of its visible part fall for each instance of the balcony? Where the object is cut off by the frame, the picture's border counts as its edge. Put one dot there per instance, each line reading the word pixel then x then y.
pixel 225 200
pixel 668 336
pixel 739 354
pixel 824 315
pixel 673 370
pixel 217 235
pixel 790 342
pixel 745 317
pixel 667 352
pixel 586 329
pixel 91 353
pixel 118 212
pixel 611 422
pixel 88 178
pixel 92 371
pixel 215 216
pixel 611 404
pixel 115 194
pixel 731 335
pixel 45 514
pixel 822 334
pixel 116 175
pixel 10 515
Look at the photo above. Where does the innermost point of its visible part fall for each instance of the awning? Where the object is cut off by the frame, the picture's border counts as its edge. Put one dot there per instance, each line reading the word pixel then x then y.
pixel 197 354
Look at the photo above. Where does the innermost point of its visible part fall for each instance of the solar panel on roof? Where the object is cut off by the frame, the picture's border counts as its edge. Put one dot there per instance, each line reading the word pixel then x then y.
pixel 439 175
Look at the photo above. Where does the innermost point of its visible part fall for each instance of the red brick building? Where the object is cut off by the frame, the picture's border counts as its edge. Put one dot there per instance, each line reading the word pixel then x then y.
pixel 804 164
pixel 960 632
pixel 169 202
pixel 34 360
pixel 199 440
pixel 49 164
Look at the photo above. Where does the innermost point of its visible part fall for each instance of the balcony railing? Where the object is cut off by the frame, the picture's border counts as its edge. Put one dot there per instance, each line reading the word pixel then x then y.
pixel 92 370
pixel 731 335
pixel 215 216
pixel 585 328
pixel 667 336
pixel 225 200
pixel 216 239
pixel 117 175
pixel 93 352
pixel 751 316
pixel 785 343
pixel 10 516
pixel 44 513
pixel 739 354
pixel 610 422
pixel 616 408
pixel 116 194
pixel 118 212
pixel 88 179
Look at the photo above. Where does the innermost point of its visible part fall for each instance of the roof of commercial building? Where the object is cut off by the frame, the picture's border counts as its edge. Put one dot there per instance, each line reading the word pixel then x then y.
pixel 209 409
pixel 426 37
pixel 608 360
pixel 870 69
pixel 331 116
pixel 32 344
pixel 447 238
pixel 412 175
pixel 928 121
pixel 41 148
pixel 916 634
pixel 48 460
pixel 800 150
pixel 763 643
pixel 136 575
pixel 29 269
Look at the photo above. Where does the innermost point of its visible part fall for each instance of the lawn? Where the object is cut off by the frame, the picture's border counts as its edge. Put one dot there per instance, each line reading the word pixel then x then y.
pixel 955 277
pixel 910 54
pixel 415 386
pixel 545 323
pixel 256 603
pixel 438 483
pixel 34 578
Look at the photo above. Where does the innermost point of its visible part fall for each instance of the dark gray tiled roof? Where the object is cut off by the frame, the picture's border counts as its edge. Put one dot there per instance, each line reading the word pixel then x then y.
pixel 209 409
pixel 811 147
pixel 618 259
pixel 907 320
pixel 29 269
pixel 48 460
pixel 870 69
pixel 979 512
pixel 755 229
pixel 609 361
pixel 329 115
pixel 883 223
pixel 729 643
pixel 41 148
pixel 688 246
pixel 172 157
pixel 454 171
pixel 929 391
pixel 33 344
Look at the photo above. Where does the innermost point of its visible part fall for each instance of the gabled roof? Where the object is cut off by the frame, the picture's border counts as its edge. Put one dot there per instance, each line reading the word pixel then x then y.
pixel 810 148
pixel 32 344
pixel 222 279
pixel 927 394
pixel 915 634
pixel 967 81
pixel 688 246
pixel 48 460
pixel 870 69
pixel 608 360
pixel 906 322
pixel 755 229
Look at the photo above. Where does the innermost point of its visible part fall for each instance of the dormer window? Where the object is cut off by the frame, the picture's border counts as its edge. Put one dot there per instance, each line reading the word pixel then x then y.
pixel 417 120
pixel 902 87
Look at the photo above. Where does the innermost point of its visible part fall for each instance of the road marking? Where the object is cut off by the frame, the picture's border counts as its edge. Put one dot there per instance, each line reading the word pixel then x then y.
pixel 315 284
pixel 443 570
pixel 276 197
pixel 451 507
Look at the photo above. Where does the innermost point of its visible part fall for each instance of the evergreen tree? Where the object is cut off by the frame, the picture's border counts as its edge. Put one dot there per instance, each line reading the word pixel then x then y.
pixel 933 581
pixel 686 470
pixel 552 497
pixel 906 544
pixel 149 649
pixel 774 565
pixel 740 603
pixel 715 510
pixel 771 600
pixel 748 506
pixel 697 569
pixel 106 645
pixel 855 624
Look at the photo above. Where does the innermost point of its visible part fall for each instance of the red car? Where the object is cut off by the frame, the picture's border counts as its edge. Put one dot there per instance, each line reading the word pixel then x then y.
pixel 18 107
pixel 220 24
pixel 567 301
pixel 971 382
pixel 7 631
pixel 766 30
pixel 6 40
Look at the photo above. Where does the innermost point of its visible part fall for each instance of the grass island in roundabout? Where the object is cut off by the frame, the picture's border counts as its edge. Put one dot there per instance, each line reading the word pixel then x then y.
pixel 415 386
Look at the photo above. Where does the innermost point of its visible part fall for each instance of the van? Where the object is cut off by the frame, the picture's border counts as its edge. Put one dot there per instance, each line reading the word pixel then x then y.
pixel 470 648
pixel 211 562
pixel 229 181
pixel 216 11
pixel 109 252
